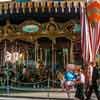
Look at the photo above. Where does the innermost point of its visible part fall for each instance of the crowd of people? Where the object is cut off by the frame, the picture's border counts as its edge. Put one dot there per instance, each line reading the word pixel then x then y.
pixel 84 80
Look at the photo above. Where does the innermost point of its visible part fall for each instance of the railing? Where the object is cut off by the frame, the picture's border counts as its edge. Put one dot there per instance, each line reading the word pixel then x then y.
pixel 29 87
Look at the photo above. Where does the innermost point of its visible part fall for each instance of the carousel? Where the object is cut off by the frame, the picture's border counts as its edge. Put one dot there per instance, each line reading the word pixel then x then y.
pixel 31 46
pixel 37 35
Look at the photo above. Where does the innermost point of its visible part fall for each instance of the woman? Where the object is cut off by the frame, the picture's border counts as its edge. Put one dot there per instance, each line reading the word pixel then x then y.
pixel 80 81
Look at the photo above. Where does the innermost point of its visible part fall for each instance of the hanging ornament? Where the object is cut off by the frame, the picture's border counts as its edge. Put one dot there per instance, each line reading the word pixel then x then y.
pixel 17 7
pixel 69 7
pixel 42 9
pixel 56 6
pixel 36 6
pixel 62 6
pixel 43 6
pixel 5 8
pixel 30 6
pixel 11 6
pixel 30 10
pixel 49 5
pixel 23 7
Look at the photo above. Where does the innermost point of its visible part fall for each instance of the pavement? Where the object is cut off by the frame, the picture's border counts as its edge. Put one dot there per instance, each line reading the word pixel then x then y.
pixel 40 96
pixel 18 98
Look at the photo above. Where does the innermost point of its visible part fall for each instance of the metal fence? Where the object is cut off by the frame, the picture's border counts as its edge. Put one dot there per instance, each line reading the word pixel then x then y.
pixel 15 86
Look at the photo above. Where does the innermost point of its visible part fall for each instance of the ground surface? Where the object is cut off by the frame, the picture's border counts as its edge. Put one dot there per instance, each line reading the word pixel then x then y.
pixel 41 96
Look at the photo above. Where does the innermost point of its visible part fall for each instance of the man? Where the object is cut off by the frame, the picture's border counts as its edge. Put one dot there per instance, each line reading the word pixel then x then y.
pixel 93 81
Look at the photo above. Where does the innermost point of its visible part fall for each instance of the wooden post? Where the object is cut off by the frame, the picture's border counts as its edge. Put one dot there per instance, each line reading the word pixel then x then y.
pixel 36 51
pixel 53 60
pixel 41 55
pixel 45 56
pixel 27 56
pixel 71 53
pixel 64 58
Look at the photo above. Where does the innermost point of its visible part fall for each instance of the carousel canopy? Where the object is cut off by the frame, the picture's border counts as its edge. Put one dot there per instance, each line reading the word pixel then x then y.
pixel 17 12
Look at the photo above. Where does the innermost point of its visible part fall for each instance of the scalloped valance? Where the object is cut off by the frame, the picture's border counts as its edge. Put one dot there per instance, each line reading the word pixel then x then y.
pixel 56 6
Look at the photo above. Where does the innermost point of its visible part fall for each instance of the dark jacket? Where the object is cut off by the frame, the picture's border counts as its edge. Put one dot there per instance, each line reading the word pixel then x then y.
pixel 95 75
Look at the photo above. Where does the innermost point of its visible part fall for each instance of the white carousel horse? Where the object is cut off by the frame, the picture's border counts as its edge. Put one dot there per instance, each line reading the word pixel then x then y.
pixel 11 57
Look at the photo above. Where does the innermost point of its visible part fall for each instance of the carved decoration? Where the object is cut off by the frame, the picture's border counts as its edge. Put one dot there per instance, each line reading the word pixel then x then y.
pixel 69 26
pixel 52 26
pixel 20 27
pixel 8 29
pixel 13 32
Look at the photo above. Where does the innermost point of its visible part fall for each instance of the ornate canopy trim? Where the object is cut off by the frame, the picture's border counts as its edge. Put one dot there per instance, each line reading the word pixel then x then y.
pixel 43 6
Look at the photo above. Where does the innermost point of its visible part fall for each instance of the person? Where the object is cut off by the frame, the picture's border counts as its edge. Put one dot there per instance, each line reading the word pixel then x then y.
pixel 80 81
pixel 93 78
pixel 69 76
pixel 86 76
pixel 60 76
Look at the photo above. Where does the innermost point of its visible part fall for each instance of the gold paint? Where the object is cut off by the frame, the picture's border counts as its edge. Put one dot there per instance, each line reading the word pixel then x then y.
pixel 52 33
